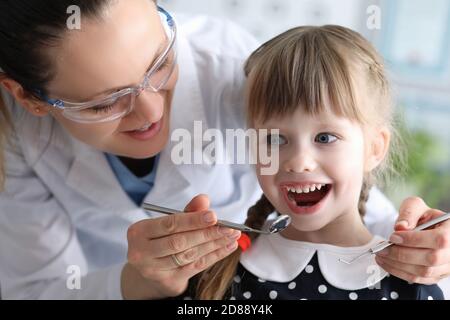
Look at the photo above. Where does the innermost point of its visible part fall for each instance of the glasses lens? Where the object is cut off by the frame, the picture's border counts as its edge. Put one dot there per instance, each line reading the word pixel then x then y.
pixel 157 79
pixel 161 75
pixel 109 110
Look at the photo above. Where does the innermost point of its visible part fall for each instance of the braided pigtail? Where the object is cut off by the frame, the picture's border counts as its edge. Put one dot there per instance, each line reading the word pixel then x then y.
pixel 364 195
pixel 216 281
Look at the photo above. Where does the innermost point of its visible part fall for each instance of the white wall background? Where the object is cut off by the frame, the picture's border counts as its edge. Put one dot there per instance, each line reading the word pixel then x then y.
pixel 266 18
pixel 411 29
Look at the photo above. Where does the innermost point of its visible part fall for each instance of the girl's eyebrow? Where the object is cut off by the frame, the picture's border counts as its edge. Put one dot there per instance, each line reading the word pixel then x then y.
pixel 333 124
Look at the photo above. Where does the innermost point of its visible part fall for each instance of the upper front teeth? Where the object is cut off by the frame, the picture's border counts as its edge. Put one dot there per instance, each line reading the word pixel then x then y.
pixel 306 189
pixel 145 128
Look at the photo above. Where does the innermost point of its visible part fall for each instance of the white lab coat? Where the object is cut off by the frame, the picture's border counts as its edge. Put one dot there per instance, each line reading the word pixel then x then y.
pixel 64 211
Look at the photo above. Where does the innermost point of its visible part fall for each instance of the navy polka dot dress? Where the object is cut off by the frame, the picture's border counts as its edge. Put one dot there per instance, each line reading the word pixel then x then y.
pixel 310 284
pixel 278 268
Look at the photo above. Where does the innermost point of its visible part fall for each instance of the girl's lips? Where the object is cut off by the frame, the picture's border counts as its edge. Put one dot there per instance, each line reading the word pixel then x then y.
pixel 295 208
pixel 152 131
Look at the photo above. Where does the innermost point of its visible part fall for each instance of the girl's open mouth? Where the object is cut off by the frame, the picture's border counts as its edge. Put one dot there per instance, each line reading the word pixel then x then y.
pixel 305 198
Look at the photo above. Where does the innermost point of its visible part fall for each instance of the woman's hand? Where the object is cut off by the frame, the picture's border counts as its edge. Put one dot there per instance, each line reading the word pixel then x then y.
pixel 420 256
pixel 164 253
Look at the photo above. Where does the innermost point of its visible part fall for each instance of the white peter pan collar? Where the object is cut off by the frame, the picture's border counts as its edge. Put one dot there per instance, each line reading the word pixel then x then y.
pixel 275 258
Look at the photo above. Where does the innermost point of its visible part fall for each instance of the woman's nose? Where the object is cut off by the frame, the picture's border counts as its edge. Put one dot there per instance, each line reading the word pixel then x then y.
pixel 300 161
pixel 149 106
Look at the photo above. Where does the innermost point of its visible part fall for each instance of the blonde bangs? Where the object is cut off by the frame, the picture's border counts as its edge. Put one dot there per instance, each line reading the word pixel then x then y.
pixel 300 68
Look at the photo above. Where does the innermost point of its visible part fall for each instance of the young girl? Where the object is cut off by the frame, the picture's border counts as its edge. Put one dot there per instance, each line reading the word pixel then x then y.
pixel 326 91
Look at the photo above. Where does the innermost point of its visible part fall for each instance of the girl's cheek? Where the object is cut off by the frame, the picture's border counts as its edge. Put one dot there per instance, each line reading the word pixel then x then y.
pixel 268 184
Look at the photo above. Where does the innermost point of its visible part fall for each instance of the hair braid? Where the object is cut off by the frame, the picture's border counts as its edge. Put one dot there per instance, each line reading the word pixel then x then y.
pixel 364 195
pixel 214 282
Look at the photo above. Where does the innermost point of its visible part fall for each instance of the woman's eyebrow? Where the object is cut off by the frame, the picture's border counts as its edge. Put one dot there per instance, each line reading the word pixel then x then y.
pixel 158 53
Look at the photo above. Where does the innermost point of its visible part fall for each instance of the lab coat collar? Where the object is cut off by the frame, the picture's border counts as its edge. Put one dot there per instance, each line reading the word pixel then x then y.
pixel 275 258
pixel 91 175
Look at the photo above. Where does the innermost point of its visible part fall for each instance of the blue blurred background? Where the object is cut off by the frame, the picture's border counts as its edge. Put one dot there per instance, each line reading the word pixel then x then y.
pixel 414 38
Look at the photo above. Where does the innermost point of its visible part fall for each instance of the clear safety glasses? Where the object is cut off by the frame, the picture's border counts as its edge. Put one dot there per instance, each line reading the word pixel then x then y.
pixel 121 103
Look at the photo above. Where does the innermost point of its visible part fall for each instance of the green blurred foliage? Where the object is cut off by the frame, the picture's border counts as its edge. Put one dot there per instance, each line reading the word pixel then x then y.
pixel 423 171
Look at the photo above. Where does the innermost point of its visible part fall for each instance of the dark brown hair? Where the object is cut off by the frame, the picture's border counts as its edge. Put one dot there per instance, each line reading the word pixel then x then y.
pixel 27 29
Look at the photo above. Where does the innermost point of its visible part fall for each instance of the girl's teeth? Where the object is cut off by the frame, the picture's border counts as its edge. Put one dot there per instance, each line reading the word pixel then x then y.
pixel 306 189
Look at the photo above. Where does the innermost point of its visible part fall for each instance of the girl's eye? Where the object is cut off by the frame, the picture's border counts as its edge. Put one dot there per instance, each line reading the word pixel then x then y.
pixel 325 138
pixel 276 140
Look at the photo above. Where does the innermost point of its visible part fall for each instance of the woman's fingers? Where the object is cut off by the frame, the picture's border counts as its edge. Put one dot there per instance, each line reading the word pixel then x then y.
pixel 411 210
pixel 197 216
pixel 180 242
pixel 166 252
pixel 415 256
pixel 437 238
pixel 198 203
pixel 413 273
pixel 171 224
pixel 193 254
pixel 207 261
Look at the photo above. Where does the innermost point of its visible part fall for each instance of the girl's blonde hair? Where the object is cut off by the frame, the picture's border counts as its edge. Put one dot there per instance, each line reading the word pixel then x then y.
pixel 317 69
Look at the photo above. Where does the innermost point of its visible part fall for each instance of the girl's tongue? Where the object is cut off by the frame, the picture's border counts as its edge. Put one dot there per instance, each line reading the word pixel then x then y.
pixel 310 198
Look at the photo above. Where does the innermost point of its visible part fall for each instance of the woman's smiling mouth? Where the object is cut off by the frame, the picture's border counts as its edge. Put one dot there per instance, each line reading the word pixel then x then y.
pixel 305 197
pixel 146 132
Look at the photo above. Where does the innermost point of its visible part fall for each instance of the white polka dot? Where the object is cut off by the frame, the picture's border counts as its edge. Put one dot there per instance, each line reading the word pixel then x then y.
pixel 187 298
pixel 384 298
pixel 353 296
pixel 292 285
pixel 394 295
pixel 309 268
pixel 261 280
pixel 323 288
pixel 303 299
pixel 233 298
pixel 247 295
pixel 273 294
pixel 237 279
pixel 430 298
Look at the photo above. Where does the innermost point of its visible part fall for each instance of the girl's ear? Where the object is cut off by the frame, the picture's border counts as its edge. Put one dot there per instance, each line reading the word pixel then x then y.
pixel 378 148
pixel 25 99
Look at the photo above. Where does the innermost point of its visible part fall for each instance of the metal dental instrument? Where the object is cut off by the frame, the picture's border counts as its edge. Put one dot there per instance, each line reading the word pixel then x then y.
pixel 276 226
pixel 383 245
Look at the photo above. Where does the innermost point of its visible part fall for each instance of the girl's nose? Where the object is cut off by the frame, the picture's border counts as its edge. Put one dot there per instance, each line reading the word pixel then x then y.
pixel 149 106
pixel 299 162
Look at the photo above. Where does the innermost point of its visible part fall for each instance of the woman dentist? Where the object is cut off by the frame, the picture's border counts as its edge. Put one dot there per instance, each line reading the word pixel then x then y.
pixel 91 112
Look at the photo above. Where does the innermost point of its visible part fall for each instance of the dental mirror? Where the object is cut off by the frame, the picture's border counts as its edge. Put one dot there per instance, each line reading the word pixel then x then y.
pixel 279 224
